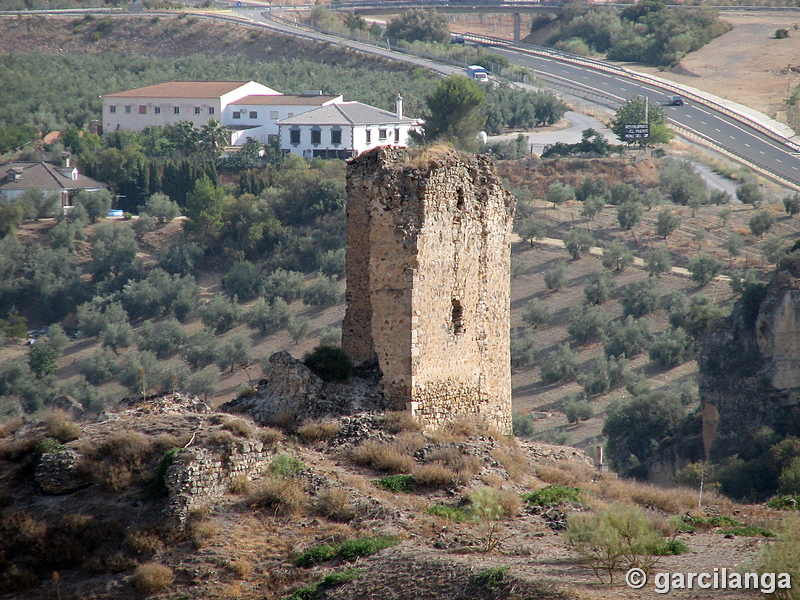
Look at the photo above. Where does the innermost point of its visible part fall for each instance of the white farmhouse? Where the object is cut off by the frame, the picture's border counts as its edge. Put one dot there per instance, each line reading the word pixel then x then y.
pixel 345 129
pixel 176 101
pixel 255 116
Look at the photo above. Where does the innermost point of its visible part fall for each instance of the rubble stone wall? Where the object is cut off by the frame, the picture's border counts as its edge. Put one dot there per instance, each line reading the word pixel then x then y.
pixel 428 281
pixel 199 475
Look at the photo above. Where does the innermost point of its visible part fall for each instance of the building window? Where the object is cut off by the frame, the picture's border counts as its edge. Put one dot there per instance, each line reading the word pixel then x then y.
pixel 397 136
pixel 290 115
pixel 457 317
pixel 127 110
pixel 211 110
pixel 273 114
pixel 157 110
pixel 236 114
pixel 176 110
pixel 253 114
pixel 294 136
pixel 197 110
pixel 142 109
pixel 316 136
pixel 369 136
pixel 336 136
pixel 381 135
pixel 112 109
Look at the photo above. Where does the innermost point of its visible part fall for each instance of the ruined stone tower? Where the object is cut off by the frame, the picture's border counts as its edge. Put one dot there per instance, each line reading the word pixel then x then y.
pixel 428 281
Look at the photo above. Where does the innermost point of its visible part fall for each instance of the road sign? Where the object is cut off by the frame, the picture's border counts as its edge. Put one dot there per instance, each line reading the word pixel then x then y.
pixel 238 5
pixel 638 131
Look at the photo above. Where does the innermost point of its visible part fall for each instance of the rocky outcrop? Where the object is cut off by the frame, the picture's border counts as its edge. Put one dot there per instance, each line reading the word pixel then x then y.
pixel 58 472
pixel 750 364
pixel 293 393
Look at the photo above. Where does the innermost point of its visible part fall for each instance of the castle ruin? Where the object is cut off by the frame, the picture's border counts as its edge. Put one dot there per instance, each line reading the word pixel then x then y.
pixel 428 281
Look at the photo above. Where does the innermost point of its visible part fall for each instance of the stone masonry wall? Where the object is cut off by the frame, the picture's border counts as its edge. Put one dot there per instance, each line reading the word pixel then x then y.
pixel 428 282
pixel 199 475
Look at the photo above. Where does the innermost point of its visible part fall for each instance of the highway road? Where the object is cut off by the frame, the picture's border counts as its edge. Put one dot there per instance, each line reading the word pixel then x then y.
pixel 740 139
pixel 774 156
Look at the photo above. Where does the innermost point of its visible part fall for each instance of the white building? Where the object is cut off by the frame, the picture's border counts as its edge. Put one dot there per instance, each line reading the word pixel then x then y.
pixel 255 116
pixel 345 129
pixel 176 101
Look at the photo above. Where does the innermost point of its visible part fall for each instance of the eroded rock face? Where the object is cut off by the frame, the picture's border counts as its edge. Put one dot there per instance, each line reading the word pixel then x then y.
pixel 750 365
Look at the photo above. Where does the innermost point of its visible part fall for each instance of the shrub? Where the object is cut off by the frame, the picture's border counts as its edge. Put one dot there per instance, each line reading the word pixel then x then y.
pixel 151 578
pixel 666 222
pixel 578 242
pixel 629 214
pixel 559 193
pixel 243 280
pixel 435 474
pixel 657 261
pixel 522 425
pixel 523 348
pixel 298 328
pixel 334 503
pixel 559 365
pixel 382 457
pixel 781 33
pixel 268 318
pixel 319 431
pixel 491 578
pixel 604 374
pixel 627 338
pixel 239 427
pixel 322 292
pixel 600 287
pixel 555 277
pixel 219 315
pixel 288 285
pixel 704 268
pixel 162 208
pixel 616 256
pixel 578 410
pixel 672 348
pixel 330 363
pixel 282 496
pixel 586 323
pixel 553 495
pixel 535 313
pixel 286 466
pixel 639 298
pixel 619 537
pixel 761 223
pixel 791 204
pixel 347 551
pixel 396 483
pixel 205 382
pixel 58 425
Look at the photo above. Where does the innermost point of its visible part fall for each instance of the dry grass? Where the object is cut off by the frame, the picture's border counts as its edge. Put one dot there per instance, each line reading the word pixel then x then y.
pixel 240 484
pixel 280 496
pixel 144 542
pixel 318 431
pixel 203 532
pixel 151 578
pixel 335 504
pixel 408 442
pixel 466 465
pixel 675 500
pixel 10 427
pixel 239 427
pixel 382 457
pixel 512 459
pixel 400 420
pixel 224 438
pixel 61 427
pixel 270 436
pixel 242 568
pixel 492 480
pixel 435 474
pixel 121 460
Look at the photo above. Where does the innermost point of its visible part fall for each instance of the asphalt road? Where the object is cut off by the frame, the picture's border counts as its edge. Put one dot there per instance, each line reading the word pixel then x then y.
pixel 736 137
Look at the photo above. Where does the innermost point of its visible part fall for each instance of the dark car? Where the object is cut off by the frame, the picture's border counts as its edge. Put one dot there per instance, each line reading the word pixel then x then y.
pixel 675 101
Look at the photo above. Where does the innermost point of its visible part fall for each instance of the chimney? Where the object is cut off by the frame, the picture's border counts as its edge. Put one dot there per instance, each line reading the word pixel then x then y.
pixel 65 160
pixel 599 456
pixel 399 104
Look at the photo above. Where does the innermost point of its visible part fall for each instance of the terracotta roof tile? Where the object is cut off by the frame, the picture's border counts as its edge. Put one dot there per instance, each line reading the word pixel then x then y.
pixel 181 89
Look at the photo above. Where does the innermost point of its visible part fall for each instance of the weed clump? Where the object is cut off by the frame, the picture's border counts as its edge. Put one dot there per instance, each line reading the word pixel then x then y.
pixel 396 483
pixel 553 495
pixel 151 578
pixel 347 551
